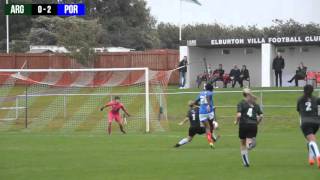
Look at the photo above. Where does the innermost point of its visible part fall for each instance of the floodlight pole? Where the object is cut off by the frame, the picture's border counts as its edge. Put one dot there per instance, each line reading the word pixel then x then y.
pixel 180 21
pixel 7 25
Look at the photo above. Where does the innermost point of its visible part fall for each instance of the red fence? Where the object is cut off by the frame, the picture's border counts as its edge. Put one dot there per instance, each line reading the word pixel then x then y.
pixel 158 60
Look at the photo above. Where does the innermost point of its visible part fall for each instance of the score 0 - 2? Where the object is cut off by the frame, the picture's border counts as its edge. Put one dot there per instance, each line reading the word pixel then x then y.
pixel 44 9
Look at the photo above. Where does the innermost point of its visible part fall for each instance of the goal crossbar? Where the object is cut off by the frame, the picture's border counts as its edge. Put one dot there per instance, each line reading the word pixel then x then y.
pixel 75 70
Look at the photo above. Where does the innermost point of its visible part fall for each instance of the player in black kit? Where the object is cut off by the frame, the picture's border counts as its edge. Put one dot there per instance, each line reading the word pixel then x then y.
pixel 195 125
pixel 307 106
pixel 249 115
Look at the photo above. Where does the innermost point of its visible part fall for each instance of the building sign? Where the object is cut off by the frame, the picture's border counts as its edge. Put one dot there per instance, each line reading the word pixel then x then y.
pixel 272 40
pixel 256 41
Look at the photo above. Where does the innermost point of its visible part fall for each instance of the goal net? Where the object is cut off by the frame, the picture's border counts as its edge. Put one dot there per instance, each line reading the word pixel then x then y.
pixel 70 99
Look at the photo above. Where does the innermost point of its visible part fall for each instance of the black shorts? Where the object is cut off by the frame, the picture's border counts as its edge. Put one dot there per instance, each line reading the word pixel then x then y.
pixel 196 130
pixel 247 131
pixel 309 128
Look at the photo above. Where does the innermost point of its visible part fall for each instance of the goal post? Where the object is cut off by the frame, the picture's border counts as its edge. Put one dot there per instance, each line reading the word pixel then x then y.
pixel 69 98
pixel 147 99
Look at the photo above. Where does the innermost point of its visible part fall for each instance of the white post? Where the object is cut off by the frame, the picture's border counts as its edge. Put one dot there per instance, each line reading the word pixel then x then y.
pixel 64 106
pixel 261 100
pixel 7 24
pixel 266 56
pixel 17 107
pixel 180 23
pixel 147 100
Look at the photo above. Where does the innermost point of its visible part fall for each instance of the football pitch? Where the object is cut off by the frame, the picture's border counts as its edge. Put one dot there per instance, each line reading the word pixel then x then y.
pixel 280 153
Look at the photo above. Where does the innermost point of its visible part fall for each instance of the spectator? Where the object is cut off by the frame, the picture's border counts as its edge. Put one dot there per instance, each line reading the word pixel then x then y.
pixel 244 75
pixel 301 74
pixel 202 77
pixel 218 74
pixel 278 65
pixel 210 71
pixel 205 76
pixel 235 76
pixel 226 80
pixel 183 69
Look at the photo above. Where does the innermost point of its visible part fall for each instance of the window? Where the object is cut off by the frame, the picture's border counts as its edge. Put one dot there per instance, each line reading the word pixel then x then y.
pixel 281 50
pixel 248 51
pixel 225 51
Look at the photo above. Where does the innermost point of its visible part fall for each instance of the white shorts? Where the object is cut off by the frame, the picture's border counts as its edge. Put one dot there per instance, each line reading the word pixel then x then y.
pixel 206 117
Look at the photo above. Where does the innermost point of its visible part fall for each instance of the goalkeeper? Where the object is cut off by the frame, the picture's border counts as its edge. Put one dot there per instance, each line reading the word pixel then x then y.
pixel 114 113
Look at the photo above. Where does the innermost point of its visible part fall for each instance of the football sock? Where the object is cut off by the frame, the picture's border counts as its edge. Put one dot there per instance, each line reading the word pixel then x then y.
pixel 109 129
pixel 214 137
pixel 311 156
pixel 245 157
pixel 252 144
pixel 121 129
pixel 183 141
pixel 313 147
pixel 209 138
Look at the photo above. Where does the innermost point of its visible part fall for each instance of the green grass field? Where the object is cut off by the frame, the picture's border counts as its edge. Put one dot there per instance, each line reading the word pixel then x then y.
pixel 280 154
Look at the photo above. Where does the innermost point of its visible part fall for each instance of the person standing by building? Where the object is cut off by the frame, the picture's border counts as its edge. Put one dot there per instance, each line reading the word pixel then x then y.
pixel 183 69
pixel 244 75
pixel 235 76
pixel 278 65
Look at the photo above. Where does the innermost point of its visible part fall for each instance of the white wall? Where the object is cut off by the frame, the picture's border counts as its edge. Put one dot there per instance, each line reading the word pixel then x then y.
pixel 196 64
pixel 214 57
pixel 293 57
pixel 267 53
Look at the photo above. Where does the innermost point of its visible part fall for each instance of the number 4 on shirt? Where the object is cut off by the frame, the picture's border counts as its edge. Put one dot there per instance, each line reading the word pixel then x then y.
pixel 249 113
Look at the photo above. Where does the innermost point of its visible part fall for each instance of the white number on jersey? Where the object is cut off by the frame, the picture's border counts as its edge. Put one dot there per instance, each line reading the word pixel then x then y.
pixel 203 100
pixel 193 116
pixel 249 113
pixel 308 106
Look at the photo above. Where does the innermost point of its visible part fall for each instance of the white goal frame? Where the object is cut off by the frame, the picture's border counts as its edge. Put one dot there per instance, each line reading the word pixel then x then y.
pixel 145 69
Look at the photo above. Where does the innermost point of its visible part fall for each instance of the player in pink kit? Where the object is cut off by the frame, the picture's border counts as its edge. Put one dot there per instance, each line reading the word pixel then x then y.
pixel 114 113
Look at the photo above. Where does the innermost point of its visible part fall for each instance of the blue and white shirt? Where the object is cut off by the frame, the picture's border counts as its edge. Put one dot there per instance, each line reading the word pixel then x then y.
pixel 205 98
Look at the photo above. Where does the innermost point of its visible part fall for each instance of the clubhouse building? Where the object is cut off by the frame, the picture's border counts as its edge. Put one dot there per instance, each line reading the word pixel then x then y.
pixel 256 53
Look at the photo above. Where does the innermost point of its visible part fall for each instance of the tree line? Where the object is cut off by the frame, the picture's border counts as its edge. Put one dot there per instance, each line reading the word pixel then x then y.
pixel 126 23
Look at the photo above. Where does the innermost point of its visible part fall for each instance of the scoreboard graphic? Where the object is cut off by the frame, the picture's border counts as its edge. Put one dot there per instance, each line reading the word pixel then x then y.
pixel 46 9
